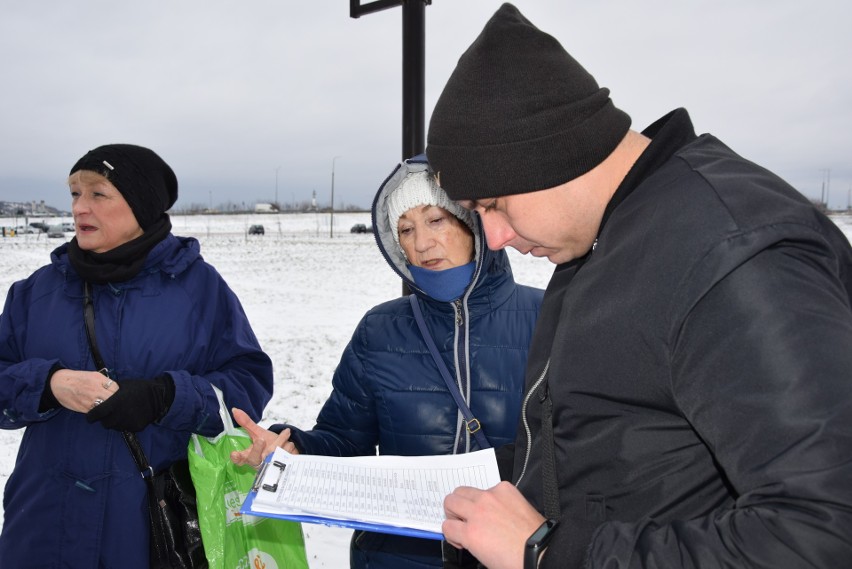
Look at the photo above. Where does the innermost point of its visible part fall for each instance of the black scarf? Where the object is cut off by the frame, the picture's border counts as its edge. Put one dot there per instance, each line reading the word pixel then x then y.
pixel 121 263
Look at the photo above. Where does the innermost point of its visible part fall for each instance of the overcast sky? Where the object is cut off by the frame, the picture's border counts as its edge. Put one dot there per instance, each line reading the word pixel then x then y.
pixel 234 94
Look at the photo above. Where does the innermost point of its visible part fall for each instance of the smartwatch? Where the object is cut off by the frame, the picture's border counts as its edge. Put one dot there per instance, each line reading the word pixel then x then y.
pixel 537 542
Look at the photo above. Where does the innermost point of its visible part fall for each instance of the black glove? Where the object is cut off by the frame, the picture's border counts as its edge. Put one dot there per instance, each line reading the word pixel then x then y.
pixel 136 404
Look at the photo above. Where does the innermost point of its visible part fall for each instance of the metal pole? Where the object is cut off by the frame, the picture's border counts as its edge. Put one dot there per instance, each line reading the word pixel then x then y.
pixel 276 187
pixel 331 224
pixel 826 175
pixel 413 77
pixel 827 188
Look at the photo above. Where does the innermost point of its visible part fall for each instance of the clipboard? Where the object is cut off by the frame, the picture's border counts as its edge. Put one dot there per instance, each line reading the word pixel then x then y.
pixel 338 522
pixel 411 488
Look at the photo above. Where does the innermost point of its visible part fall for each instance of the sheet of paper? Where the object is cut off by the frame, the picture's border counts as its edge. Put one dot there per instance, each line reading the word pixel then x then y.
pixel 398 491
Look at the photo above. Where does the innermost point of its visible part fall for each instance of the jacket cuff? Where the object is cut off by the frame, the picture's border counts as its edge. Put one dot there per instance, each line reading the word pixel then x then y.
pixel 167 385
pixel 295 435
pixel 48 399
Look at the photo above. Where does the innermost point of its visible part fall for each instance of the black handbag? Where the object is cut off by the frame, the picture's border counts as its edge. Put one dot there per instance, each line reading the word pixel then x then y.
pixel 173 514
pixel 172 510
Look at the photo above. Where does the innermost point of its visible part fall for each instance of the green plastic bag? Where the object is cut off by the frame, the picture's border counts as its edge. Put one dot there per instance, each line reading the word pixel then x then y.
pixel 233 540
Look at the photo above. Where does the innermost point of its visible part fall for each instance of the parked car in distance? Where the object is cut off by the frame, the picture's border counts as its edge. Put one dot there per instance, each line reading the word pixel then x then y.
pixel 361 228
pixel 40 225
pixel 56 231
pixel 256 230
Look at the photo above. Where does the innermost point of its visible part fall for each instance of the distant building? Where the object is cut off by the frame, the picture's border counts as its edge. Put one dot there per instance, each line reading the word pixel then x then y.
pixel 39 209
pixel 265 208
pixel 28 209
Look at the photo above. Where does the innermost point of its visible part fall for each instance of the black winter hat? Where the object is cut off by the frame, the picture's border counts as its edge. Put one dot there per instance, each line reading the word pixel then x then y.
pixel 144 179
pixel 518 115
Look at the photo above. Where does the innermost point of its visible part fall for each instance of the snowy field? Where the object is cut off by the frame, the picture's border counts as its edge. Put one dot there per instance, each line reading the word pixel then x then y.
pixel 304 287
pixel 304 291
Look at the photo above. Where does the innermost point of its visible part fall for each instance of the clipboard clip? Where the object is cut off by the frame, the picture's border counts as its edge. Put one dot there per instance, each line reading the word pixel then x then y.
pixel 260 475
pixel 258 478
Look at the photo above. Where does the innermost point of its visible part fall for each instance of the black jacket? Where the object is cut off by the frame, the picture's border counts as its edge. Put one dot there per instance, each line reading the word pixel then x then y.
pixel 700 371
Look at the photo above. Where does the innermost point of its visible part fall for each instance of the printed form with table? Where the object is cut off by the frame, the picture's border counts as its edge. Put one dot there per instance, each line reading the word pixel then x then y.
pixel 389 494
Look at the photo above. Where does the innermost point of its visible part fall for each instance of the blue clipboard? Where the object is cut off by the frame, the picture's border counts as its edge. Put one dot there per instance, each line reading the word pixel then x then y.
pixel 247 508
pixel 336 522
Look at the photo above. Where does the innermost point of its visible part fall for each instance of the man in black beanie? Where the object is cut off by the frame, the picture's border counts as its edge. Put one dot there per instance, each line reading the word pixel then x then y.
pixel 688 385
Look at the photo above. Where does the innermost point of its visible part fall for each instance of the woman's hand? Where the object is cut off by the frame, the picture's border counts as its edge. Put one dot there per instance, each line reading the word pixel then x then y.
pixel 263 441
pixel 139 403
pixel 81 391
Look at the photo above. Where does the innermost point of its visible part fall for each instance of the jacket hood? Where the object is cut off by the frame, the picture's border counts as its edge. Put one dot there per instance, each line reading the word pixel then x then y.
pixel 490 265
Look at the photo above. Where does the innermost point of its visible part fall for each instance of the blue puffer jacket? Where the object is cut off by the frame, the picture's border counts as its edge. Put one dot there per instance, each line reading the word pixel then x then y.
pixel 75 497
pixel 388 392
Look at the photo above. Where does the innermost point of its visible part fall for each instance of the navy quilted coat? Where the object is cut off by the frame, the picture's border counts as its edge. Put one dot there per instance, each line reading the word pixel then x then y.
pixel 75 498
pixel 387 391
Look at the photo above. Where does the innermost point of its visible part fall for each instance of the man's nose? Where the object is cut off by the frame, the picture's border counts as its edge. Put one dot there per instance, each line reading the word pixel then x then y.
pixel 498 234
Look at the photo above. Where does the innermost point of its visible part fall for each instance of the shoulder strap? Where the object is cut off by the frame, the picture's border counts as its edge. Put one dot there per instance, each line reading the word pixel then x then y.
pixel 473 425
pixel 89 313
pixel 129 438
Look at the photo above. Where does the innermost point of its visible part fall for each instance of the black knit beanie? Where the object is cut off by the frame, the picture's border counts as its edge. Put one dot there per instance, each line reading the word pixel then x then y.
pixel 147 183
pixel 519 115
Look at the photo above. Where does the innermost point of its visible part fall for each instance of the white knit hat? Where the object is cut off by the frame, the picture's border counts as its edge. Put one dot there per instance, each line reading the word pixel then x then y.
pixel 419 189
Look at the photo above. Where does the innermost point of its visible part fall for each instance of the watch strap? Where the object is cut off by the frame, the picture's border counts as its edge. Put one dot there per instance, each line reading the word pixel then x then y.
pixel 537 542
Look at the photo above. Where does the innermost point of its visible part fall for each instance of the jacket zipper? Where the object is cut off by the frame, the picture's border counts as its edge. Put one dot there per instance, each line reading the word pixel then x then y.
pixel 525 420
pixel 535 387
pixel 462 442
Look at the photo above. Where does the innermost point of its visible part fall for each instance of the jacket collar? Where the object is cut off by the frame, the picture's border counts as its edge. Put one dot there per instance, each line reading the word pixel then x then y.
pixel 668 135
pixel 172 256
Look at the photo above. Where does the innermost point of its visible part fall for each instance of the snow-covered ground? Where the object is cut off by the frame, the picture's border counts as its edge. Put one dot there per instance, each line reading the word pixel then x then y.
pixel 304 291
pixel 304 288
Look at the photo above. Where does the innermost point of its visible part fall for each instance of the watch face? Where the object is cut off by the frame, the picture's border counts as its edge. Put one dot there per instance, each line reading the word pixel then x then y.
pixel 539 534
pixel 542 533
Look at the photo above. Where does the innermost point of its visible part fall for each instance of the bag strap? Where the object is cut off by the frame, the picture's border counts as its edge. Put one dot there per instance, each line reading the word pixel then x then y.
pixel 159 543
pixel 130 438
pixel 89 313
pixel 230 429
pixel 472 424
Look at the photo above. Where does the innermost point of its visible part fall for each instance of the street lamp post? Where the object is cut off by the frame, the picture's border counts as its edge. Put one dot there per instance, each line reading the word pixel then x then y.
pixel 331 224
pixel 276 187
pixel 826 186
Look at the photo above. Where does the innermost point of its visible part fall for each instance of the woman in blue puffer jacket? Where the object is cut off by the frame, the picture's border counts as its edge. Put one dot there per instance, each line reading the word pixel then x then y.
pixel 387 390
pixel 168 329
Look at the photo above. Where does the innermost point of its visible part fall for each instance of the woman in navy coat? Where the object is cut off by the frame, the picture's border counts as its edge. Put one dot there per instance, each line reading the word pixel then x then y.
pixel 168 328
pixel 388 394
